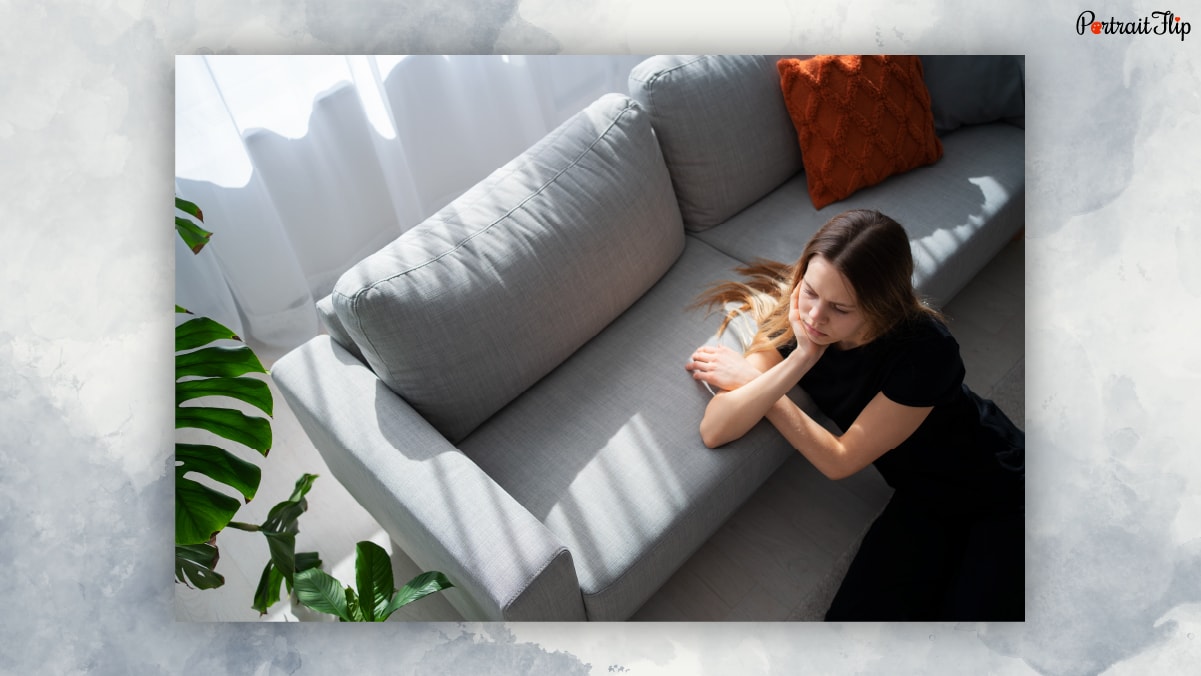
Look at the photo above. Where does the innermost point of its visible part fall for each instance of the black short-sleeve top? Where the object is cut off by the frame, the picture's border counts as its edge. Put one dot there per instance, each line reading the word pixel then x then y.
pixel 964 442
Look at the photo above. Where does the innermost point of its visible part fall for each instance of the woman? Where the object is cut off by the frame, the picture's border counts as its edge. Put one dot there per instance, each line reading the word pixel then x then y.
pixel 846 323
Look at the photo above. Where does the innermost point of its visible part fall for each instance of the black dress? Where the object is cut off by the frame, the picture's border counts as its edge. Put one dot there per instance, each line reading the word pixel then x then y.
pixel 950 543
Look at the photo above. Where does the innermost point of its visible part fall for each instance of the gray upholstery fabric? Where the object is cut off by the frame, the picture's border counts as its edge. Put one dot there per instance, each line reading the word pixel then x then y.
pixel 605 450
pixel 436 504
pixel 465 311
pixel 975 90
pixel 333 326
pixel 725 131
pixel 959 211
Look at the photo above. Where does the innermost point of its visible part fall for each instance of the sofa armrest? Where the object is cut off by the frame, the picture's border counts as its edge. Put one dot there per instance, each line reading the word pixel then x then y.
pixel 434 502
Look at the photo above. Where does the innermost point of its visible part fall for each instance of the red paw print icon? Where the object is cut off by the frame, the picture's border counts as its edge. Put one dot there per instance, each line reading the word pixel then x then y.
pixel 1096 28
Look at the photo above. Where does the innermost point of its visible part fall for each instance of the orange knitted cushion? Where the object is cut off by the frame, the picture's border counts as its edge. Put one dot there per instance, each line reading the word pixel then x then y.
pixel 859 119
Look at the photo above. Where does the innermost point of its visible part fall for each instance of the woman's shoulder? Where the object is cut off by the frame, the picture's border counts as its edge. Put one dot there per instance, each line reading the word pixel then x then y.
pixel 925 367
pixel 924 338
pixel 921 328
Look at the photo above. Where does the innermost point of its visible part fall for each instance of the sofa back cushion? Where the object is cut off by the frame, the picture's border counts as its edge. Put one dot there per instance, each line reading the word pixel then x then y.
pixel 975 89
pixel 465 311
pixel 724 129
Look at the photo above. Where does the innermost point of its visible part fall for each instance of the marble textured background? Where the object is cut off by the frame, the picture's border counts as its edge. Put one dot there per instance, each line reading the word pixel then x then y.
pixel 1113 289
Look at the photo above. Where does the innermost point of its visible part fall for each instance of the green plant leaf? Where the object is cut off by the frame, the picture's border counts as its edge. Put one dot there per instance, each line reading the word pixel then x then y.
pixel 219 465
pixel 280 529
pixel 419 587
pixel 250 390
pixel 283 553
pixel 194 566
pixel 373 577
pixel 200 511
pixel 355 607
pixel 227 423
pixel 272 581
pixel 194 236
pixel 282 517
pixel 268 590
pixel 303 485
pixel 189 208
pixel 206 370
pixel 201 331
pixel 217 362
pixel 318 590
pixel 306 560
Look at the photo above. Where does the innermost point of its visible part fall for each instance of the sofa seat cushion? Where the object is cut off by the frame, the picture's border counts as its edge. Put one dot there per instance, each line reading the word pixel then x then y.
pixel 465 311
pixel 959 212
pixel 606 451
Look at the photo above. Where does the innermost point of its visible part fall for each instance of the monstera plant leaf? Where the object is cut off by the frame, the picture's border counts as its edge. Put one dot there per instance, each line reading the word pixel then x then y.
pixel 214 370
pixel 194 564
pixel 209 377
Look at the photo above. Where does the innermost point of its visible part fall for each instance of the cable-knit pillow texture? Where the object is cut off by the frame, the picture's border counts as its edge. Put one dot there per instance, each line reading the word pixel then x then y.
pixel 859 120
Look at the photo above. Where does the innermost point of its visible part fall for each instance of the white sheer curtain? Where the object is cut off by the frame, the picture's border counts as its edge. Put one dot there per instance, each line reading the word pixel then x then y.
pixel 305 164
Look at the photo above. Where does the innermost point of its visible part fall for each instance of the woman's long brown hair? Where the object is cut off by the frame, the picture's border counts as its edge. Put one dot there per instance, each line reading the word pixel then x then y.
pixel 870 249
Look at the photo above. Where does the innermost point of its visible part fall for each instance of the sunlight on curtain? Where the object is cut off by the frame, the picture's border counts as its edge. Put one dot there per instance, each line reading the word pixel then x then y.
pixel 306 164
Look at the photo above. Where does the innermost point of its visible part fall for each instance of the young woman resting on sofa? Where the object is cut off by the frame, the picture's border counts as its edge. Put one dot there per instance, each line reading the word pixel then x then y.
pixel 846 323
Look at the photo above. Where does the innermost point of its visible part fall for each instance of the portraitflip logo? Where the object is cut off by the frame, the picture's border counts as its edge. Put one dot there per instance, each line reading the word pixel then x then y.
pixel 1159 23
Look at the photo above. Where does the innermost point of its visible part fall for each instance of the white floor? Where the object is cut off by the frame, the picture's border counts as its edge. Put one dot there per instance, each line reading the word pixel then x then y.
pixel 770 561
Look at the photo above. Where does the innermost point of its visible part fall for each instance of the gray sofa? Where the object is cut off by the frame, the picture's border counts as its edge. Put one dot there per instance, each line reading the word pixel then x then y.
pixel 502 387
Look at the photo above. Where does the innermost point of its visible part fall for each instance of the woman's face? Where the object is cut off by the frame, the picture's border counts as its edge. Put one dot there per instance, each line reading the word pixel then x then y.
pixel 829 307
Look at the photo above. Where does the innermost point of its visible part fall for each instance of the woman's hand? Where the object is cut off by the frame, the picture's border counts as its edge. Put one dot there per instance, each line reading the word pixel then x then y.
pixel 721 367
pixel 805 347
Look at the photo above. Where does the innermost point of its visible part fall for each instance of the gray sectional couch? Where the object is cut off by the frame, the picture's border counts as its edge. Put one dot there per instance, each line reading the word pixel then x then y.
pixel 502 387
